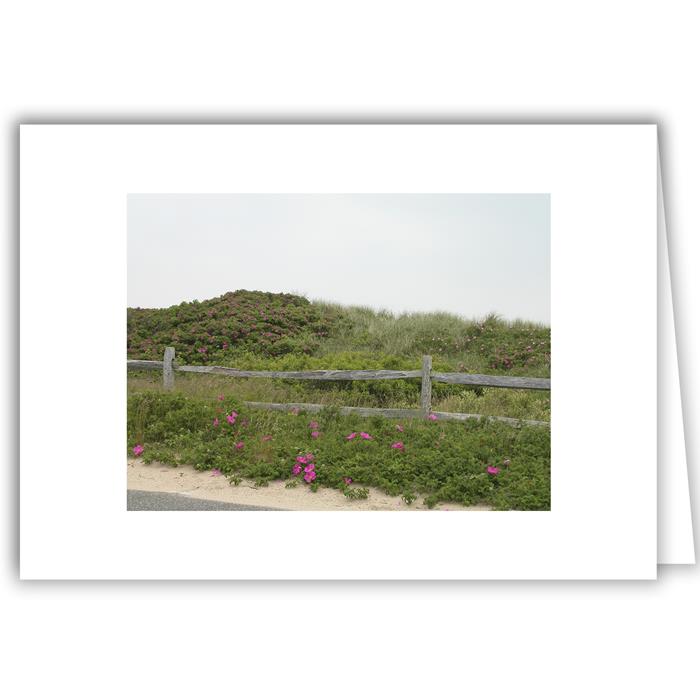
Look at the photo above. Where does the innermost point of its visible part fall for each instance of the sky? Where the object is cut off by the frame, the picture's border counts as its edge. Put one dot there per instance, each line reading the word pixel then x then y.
pixel 469 254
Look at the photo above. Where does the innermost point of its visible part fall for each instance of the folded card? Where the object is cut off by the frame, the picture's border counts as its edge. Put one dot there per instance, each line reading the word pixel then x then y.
pixel 430 351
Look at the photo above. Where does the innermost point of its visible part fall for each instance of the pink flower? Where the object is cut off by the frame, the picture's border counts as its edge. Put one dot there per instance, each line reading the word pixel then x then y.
pixel 315 434
pixel 313 425
pixel 492 470
pixel 506 462
pixel 302 460
pixel 220 397
pixel 138 449
pixel 352 436
pixel 215 472
pixel 296 469
pixel 309 477
pixel 310 468
pixel 347 480
pixel 266 438
pixel 432 416
pixel 309 457
pixel 365 436
pixel 216 422
pixel 295 411
pixel 398 445
pixel 400 428
pixel 239 445
pixel 231 418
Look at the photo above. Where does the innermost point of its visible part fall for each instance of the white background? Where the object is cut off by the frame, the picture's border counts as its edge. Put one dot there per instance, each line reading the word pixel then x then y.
pixel 505 61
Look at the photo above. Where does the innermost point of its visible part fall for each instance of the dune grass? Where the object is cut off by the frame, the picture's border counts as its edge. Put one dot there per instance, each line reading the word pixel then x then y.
pixel 471 343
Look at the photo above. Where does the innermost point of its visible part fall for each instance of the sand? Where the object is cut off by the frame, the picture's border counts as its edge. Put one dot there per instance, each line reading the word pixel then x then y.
pixel 186 481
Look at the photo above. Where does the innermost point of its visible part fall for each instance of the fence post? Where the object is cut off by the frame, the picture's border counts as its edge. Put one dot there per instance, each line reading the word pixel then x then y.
pixel 426 389
pixel 168 374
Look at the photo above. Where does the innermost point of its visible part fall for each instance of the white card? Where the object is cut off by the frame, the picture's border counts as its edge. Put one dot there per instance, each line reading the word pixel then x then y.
pixel 603 187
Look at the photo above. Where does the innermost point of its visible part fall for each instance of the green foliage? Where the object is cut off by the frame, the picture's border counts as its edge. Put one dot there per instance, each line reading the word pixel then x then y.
pixel 283 332
pixel 481 346
pixel 210 331
pixel 445 461
pixel 263 331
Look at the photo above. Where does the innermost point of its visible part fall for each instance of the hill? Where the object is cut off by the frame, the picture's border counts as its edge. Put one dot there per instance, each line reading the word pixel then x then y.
pixel 266 324
pixel 261 330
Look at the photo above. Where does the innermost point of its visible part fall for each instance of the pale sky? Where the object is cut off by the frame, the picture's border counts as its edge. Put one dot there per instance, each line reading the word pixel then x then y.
pixel 469 254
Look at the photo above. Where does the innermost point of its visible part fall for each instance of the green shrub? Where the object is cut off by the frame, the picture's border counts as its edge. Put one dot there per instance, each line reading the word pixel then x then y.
pixel 445 461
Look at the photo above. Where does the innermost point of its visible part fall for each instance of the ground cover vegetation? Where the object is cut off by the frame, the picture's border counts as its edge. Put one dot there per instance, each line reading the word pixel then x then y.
pixel 476 462
pixel 258 330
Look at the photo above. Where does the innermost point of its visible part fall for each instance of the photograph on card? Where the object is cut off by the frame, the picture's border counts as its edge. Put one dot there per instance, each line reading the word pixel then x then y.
pixel 334 352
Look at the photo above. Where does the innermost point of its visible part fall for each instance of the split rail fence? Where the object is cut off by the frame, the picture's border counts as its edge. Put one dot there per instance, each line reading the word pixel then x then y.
pixel 168 366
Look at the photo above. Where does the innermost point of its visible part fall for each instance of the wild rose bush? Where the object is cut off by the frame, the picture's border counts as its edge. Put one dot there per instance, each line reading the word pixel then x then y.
pixel 446 461
pixel 204 332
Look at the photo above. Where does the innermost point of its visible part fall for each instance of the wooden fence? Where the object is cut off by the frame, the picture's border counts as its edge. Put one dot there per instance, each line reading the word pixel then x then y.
pixel 425 374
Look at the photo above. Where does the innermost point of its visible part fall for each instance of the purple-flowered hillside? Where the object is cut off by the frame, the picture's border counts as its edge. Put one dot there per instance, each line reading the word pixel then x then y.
pixel 264 323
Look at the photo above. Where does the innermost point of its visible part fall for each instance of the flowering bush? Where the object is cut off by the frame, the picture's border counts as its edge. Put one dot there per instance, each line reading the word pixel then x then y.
pixel 178 430
pixel 270 324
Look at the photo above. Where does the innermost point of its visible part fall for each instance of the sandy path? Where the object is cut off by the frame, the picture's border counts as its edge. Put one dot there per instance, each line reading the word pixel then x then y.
pixel 186 481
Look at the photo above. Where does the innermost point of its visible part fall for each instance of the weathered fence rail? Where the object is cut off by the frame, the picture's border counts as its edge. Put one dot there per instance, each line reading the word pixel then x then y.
pixel 489 380
pixel 323 375
pixel 426 375
pixel 388 412
pixel 144 364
